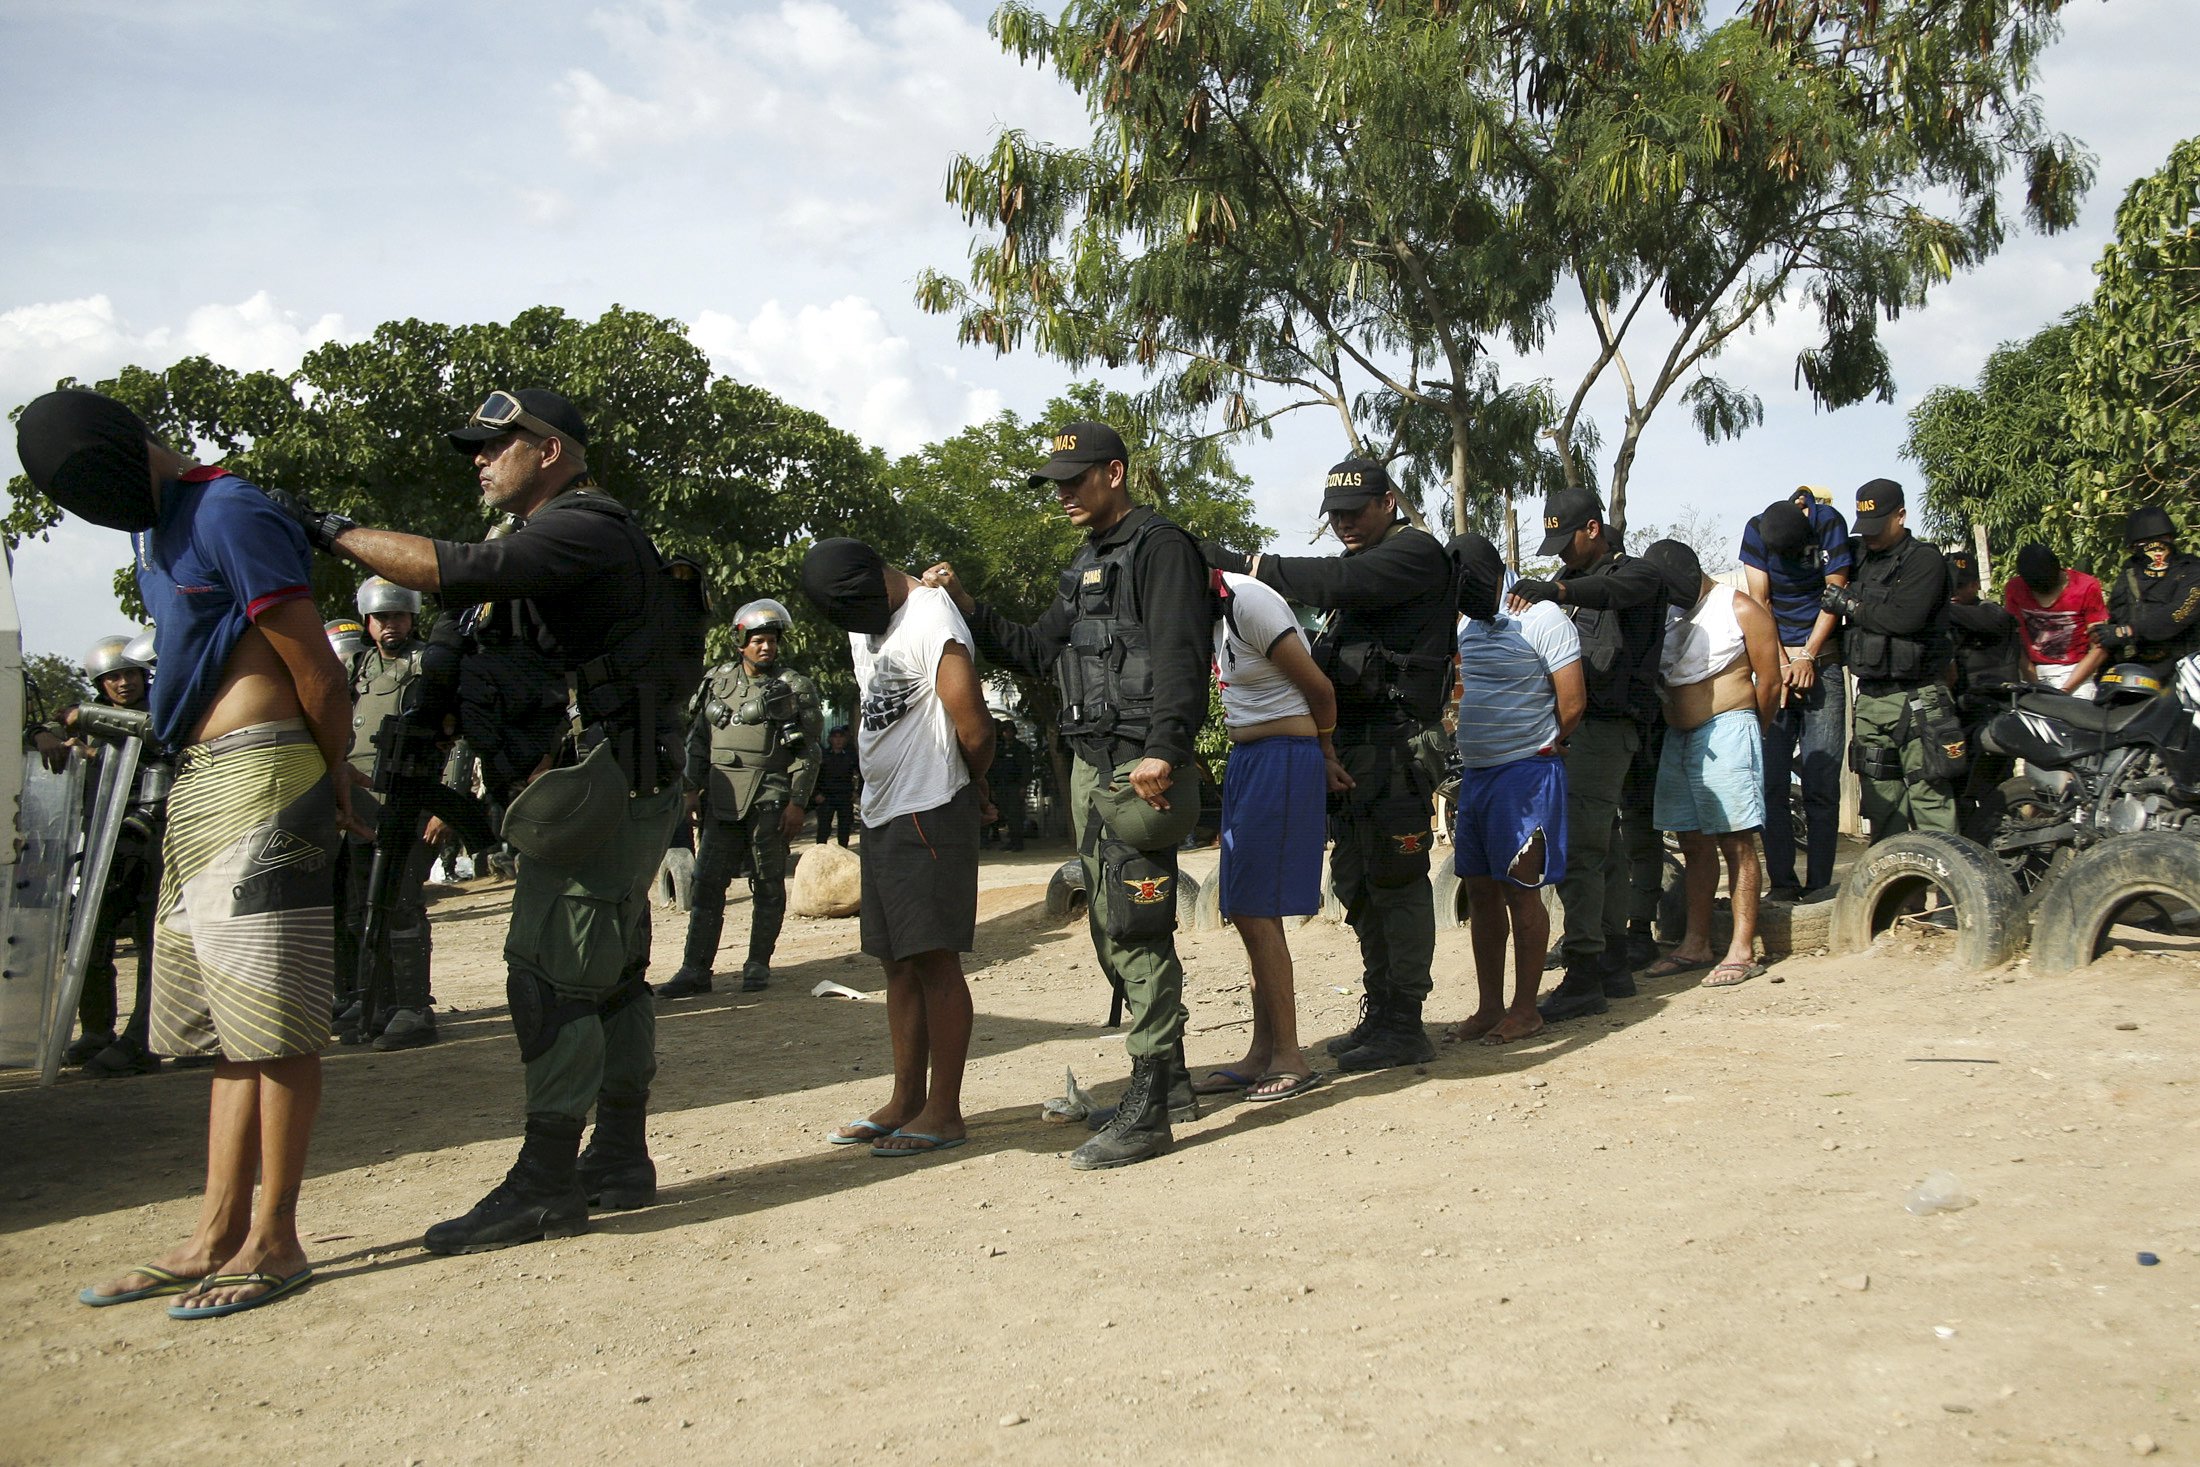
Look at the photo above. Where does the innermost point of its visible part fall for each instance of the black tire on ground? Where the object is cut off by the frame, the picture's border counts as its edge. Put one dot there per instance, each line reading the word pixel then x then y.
pixel 1991 927
pixel 1066 895
pixel 2077 910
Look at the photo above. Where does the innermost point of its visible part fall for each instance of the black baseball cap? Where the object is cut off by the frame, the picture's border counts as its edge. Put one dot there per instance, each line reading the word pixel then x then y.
pixel 1353 483
pixel 493 418
pixel 1876 503
pixel 1077 448
pixel 2148 522
pixel 1784 527
pixel 1565 512
pixel 1962 568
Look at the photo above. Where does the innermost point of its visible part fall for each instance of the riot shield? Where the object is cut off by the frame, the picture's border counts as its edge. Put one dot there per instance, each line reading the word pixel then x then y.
pixel 35 905
pixel 118 767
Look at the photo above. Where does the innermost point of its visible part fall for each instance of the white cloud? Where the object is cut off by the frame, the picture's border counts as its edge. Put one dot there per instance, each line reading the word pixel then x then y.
pixel 874 97
pixel 842 360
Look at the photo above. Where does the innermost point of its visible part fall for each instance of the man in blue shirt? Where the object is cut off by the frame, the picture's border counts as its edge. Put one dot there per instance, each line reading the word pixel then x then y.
pixel 1790 554
pixel 256 707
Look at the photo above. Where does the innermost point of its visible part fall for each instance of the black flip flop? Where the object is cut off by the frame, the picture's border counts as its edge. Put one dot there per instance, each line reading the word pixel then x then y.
pixel 1299 1085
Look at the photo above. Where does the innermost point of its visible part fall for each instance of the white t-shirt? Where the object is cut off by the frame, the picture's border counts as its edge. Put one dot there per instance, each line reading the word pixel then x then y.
pixel 1254 689
pixel 905 740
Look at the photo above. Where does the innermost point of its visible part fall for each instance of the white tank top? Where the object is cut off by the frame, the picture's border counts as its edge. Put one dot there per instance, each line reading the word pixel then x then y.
pixel 1702 643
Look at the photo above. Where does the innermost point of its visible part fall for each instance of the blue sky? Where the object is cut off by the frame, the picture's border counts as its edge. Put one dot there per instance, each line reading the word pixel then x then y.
pixel 247 179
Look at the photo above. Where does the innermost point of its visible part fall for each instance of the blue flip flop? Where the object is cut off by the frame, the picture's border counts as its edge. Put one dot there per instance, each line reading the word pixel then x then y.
pixel 276 1286
pixel 873 1127
pixel 933 1143
pixel 164 1283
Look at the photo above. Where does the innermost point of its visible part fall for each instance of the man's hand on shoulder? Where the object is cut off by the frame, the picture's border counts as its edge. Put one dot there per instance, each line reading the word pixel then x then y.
pixel 943 576
pixel 321 526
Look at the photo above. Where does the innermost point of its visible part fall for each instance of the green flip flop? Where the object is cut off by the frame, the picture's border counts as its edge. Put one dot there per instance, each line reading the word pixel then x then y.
pixel 164 1283
pixel 276 1285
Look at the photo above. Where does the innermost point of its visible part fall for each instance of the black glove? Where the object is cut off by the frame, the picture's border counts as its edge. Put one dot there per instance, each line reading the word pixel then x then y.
pixel 1222 558
pixel 1839 600
pixel 321 527
pixel 1534 591
pixel 2101 634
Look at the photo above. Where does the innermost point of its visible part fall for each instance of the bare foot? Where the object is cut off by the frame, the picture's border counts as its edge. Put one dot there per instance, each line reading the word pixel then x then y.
pixel 1515 1026
pixel 193 1260
pixel 1474 1026
pixel 281 1260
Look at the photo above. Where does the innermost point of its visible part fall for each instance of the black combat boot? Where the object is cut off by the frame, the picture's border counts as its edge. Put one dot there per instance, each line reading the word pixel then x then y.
pixel 756 976
pixel 1619 971
pixel 686 983
pixel 615 1170
pixel 540 1197
pixel 1371 1014
pixel 410 1022
pixel 1578 995
pixel 1183 1100
pixel 1140 1127
pixel 1398 1040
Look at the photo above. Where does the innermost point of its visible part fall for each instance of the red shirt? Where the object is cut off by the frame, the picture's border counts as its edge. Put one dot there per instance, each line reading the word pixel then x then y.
pixel 2055 633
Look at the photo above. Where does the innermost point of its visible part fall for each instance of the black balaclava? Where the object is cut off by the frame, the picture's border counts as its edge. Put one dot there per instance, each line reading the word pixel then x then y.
pixel 1784 527
pixel 846 581
pixel 2039 567
pixel 1478 575
pixel 1678 567
pixel 88 454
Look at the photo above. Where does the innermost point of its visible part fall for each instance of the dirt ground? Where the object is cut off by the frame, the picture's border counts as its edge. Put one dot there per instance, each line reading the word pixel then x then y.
pixel 1673 1234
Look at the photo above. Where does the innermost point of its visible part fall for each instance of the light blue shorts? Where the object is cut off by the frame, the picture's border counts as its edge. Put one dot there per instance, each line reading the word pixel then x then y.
pixel 1712 778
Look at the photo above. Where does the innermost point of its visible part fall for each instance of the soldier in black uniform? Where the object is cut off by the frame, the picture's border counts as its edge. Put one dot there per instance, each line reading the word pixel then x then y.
pixel 2154 606
pixel 1618 607
pixel 1127 639
pixel 837 773
pixel 577 589
pixel 1989 649
pixel 751 762
pixel 1896 643
pixel 1387 647
pixel 1010 778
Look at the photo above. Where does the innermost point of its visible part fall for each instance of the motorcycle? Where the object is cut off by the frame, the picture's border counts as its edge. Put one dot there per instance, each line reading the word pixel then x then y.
pixel 2092 770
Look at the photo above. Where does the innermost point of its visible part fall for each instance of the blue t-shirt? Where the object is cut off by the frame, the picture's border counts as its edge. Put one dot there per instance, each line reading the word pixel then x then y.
pixel 220 556
pixel 1507 710
pixel 1796 580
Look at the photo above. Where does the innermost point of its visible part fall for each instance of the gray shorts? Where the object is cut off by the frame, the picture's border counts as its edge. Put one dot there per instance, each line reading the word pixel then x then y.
pixel 920 881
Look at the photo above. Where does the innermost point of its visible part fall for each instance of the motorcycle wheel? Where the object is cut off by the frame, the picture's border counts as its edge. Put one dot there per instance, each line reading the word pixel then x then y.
pixel 2153 869
pixel 2016 805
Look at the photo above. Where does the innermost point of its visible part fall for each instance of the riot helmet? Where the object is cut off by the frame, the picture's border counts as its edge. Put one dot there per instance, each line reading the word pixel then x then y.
pixel 763 615
pixel 378 597
pixel 112 654
pixel 140 650
pixel 347 637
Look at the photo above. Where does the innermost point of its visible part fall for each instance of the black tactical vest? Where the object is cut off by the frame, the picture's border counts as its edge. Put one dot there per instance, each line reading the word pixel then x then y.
pixel 1883 658
pixel 1106 672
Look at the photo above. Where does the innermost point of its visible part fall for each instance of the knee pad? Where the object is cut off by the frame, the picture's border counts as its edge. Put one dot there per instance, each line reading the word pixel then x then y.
pixel 538 1013
pixel 768 895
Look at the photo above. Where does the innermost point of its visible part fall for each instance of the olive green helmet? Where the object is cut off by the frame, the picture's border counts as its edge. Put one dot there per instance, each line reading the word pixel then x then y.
pixel 378 597
pixel 347 637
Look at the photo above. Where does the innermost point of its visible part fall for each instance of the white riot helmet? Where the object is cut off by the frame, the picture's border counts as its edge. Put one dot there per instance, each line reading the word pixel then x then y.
pixel 378 597
pixel 140 649
pixel 765 615
pixel 346 637
pixel 112 654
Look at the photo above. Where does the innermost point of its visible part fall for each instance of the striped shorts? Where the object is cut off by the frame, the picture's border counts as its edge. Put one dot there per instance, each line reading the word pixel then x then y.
pixel 244 946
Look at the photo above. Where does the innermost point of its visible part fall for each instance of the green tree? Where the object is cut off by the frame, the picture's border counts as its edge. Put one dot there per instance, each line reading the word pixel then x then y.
pixel 715 469
pixel 2133 391
pixel 1294 203
pixel 55 683
pixel 1998 454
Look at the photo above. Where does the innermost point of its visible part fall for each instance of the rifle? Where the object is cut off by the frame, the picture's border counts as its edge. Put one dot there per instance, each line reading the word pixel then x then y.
pixel 408 767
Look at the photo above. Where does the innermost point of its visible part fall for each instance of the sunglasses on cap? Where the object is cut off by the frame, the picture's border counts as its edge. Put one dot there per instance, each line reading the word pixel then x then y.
pixel 501 410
